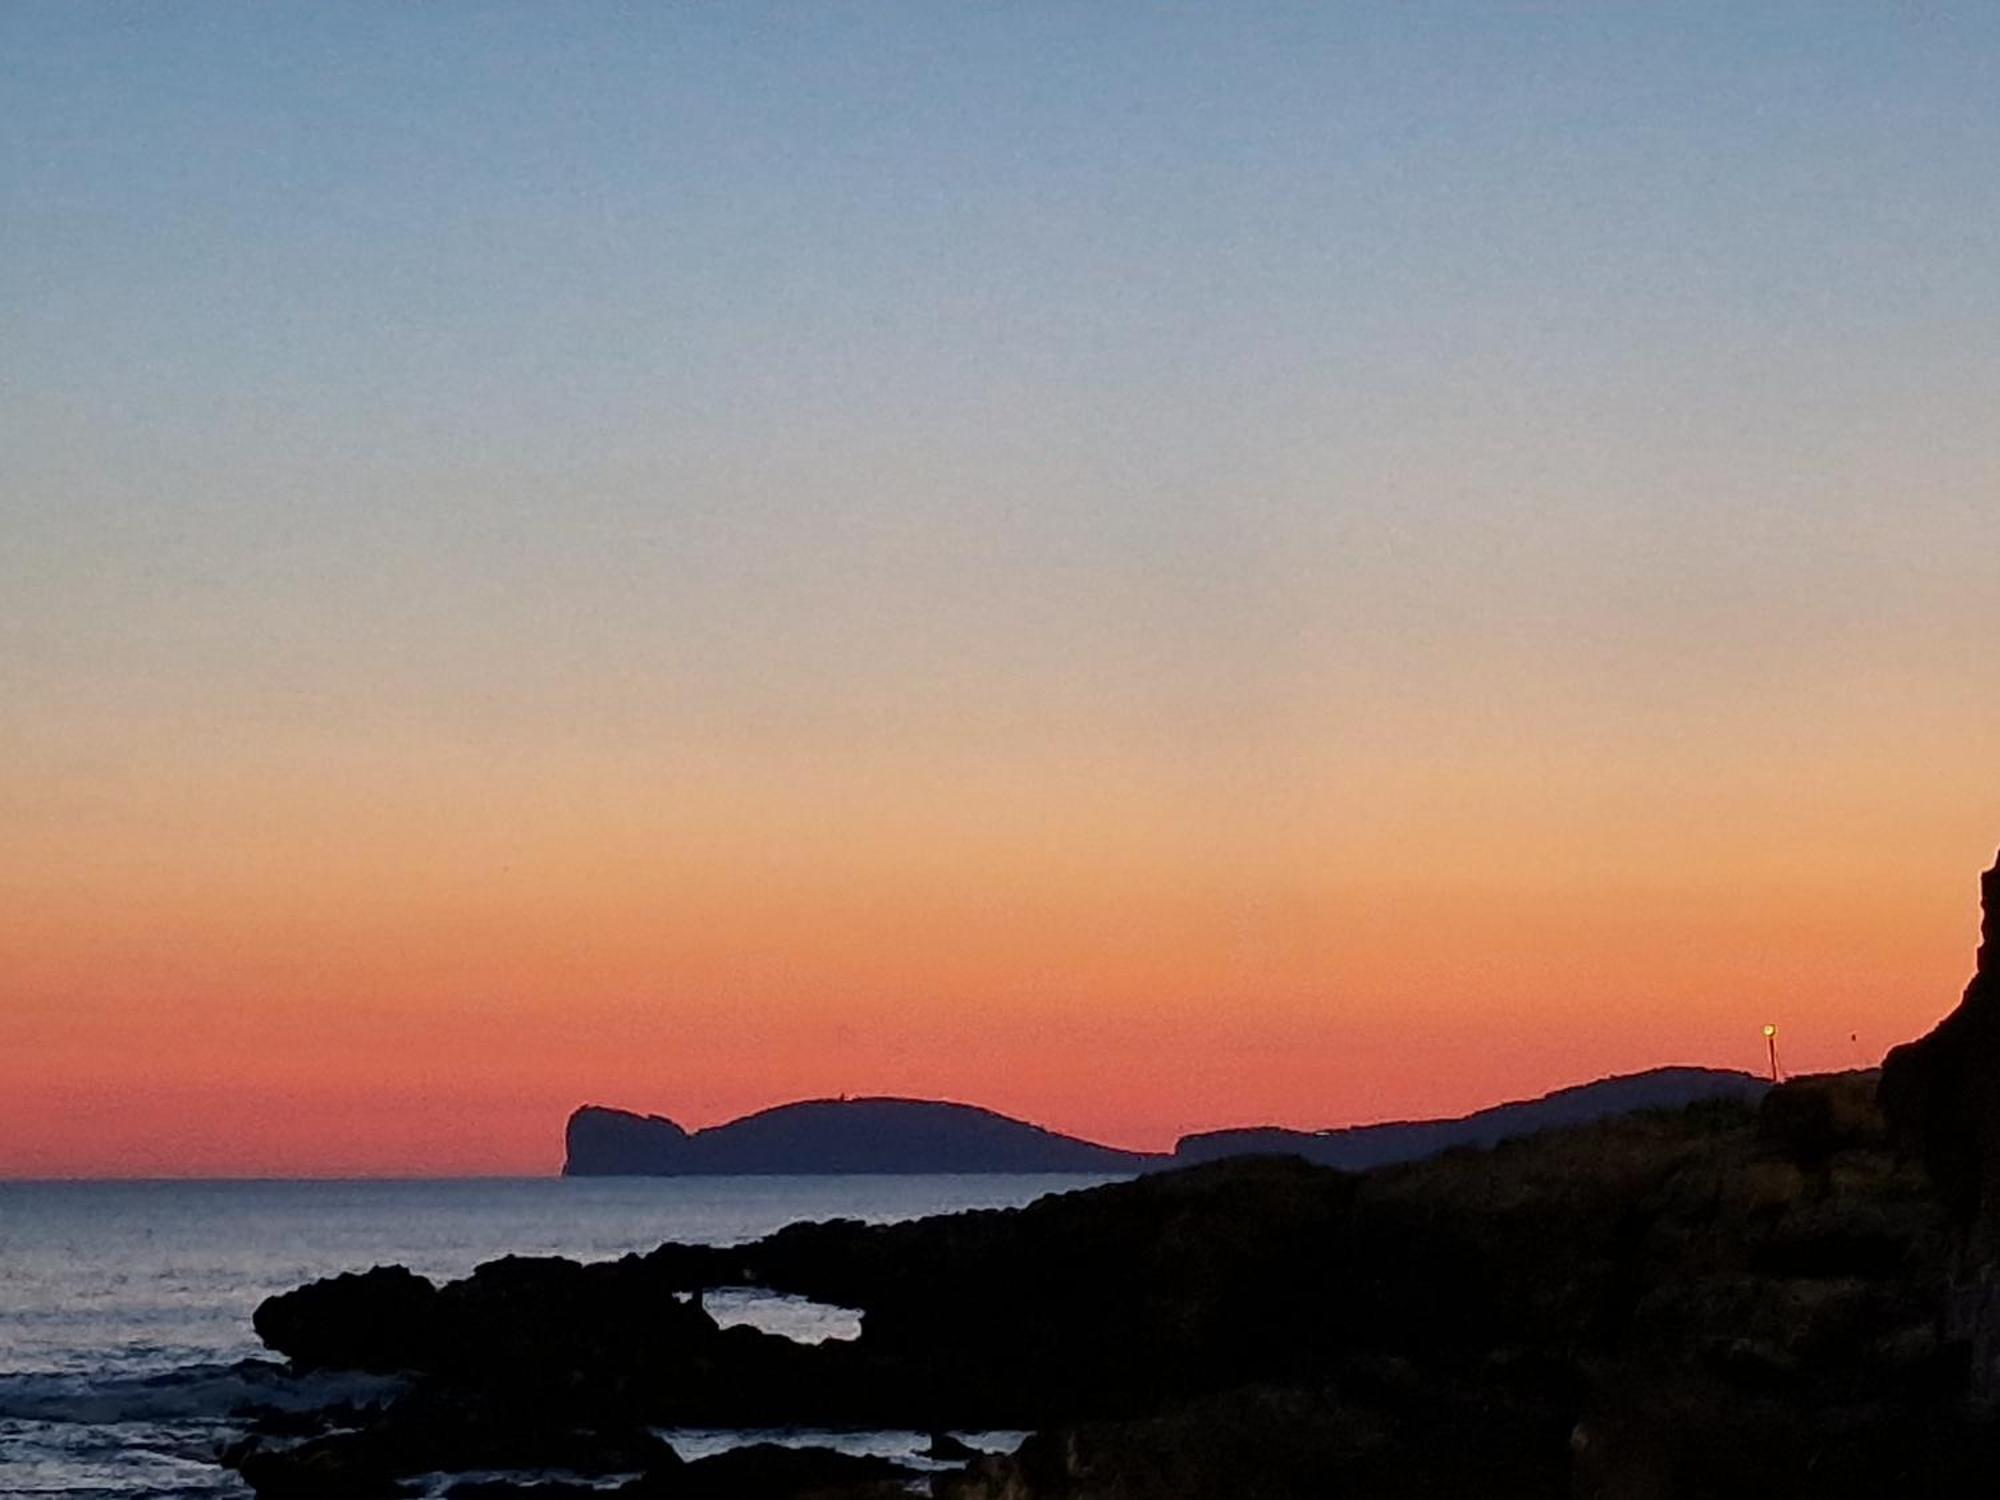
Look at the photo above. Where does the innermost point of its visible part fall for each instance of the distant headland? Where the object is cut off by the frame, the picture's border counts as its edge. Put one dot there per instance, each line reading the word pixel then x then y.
pixel 830 1137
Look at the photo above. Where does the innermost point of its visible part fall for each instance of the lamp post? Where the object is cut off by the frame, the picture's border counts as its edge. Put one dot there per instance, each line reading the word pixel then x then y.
pixel 1771 1045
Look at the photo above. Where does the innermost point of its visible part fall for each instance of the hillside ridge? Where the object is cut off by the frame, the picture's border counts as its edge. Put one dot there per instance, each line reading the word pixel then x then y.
pixel 896 1134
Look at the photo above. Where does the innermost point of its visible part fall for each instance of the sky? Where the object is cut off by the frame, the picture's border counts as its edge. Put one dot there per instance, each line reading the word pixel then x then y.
pixel 1150 567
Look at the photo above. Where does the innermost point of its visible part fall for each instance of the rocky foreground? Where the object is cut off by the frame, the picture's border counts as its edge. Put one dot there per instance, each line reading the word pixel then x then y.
pixel 1795 1297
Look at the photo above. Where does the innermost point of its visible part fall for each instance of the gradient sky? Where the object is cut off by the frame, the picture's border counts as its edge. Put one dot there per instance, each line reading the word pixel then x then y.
pixel 1152 567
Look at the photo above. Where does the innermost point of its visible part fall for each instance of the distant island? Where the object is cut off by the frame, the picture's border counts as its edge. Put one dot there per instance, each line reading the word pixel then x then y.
pixel 830 1137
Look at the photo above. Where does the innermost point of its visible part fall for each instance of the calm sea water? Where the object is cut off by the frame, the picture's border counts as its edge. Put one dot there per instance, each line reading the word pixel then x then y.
pixel 125 1307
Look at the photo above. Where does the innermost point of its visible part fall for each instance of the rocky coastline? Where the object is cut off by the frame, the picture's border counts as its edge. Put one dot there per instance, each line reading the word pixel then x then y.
pixel 1798 1295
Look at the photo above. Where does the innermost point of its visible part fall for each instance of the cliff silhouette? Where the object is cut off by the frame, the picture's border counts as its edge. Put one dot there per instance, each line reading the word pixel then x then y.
pixel 1941 1095
pixel 885 1135
pixel 831 1136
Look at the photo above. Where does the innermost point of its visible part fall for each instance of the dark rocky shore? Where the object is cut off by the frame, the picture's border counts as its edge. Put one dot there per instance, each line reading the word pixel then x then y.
pixel 1794 1297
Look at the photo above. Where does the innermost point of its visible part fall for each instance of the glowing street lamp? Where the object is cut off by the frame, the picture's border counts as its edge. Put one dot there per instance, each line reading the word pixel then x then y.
pixel 1771 1044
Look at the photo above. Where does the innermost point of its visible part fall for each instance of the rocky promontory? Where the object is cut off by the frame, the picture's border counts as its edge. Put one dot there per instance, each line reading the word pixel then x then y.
pixel 850 1136
pixel 833 1137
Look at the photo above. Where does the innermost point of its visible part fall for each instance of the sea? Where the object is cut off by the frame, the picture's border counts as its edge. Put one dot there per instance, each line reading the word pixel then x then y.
pixel 127 1356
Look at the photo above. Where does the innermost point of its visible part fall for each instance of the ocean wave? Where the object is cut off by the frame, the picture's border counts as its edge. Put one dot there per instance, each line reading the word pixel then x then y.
pixel 194 1392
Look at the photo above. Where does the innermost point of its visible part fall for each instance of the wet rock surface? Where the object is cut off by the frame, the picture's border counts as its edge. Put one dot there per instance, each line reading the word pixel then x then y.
pixel 1769 1299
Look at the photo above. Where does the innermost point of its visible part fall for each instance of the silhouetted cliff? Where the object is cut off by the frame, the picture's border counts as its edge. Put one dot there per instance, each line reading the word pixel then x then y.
pixel 832 1136
pixel 1941 1094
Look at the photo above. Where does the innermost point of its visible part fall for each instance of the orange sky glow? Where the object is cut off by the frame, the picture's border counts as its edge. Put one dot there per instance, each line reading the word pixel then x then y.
pixel 1148 568
pixel 413 977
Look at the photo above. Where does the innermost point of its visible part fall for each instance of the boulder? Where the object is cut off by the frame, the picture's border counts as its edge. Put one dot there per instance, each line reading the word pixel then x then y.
pixel 386 1319
pixel 511 1315
pixel 319 1472
pixel 944 1447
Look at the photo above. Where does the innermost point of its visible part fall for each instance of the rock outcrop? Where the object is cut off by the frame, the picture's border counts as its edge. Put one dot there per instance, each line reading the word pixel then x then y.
pixel 510 1313
pixel 1941 1097
pixel 1941 1093
pixel 600 1142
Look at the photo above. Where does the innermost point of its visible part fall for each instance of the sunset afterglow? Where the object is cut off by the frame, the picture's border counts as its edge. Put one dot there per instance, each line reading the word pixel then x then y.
pixel 1145 572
